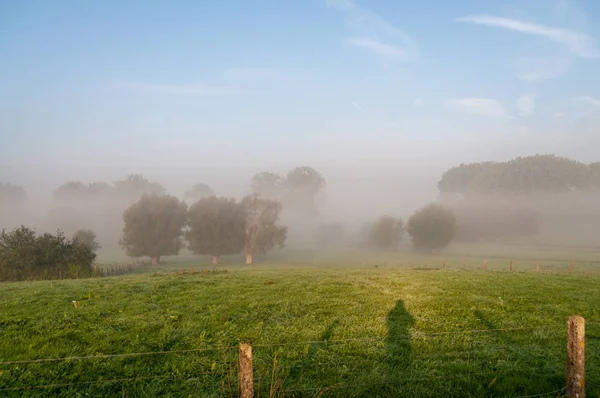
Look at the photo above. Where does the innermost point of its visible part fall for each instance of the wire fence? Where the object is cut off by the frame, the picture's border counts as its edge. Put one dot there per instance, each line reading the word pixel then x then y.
pixel 503 361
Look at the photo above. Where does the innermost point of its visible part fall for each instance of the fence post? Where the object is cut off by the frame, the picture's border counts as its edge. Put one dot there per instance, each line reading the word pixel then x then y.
pixel 576 357
pixel 571 267
pixel 511 264
pixel 246 377
pixel 485 265
pixel 537 266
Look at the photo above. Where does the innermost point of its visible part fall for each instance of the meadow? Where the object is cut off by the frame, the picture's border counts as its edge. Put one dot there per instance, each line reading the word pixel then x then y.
pixel 336 323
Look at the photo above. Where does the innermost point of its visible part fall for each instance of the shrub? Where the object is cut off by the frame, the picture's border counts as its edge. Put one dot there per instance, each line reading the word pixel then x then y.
pixel 431 227
pixel 386 233
pixel 86 238
pixel 25 256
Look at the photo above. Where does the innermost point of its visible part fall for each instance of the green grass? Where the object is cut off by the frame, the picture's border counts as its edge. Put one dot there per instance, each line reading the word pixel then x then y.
pixel 391 331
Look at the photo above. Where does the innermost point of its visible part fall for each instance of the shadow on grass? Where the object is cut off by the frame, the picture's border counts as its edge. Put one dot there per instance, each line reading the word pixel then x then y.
pixel 515 373
pixel 398 357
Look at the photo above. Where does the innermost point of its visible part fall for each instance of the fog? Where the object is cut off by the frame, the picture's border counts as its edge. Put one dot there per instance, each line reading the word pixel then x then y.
pixel 374 100
pixel 357 192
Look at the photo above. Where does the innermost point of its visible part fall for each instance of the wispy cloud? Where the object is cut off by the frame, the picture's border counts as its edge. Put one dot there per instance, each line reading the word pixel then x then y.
pixel 374 33
pixel 589 100
pixel 478 106
pixel 185 89
pixel 378 48
pixel 534 69
pixel 578 44
pixel 355 104
pixel 525 104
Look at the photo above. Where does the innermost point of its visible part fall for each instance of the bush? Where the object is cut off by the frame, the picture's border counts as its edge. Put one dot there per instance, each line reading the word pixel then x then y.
pixel 432 227
pixel 386 233
pixel 86 238
pixel 25 256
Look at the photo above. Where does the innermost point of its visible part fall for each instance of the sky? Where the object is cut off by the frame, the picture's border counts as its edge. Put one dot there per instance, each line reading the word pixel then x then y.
pixel 199 90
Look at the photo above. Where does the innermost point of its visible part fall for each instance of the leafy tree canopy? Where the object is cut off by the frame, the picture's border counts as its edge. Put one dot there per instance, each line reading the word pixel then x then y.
pixel 26 256
pixel 267 185
pixel 87 238
pixel 262 231
pixel 216 227
pixel 431 227
pixel 136 185
pixel 199 191
pixel 541 173
pixel 12 195
pixel 386 233
pixel 153 227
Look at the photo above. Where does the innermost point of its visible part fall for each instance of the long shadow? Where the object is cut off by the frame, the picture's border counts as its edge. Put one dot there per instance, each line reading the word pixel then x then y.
pixel 398 357
pixel 399 347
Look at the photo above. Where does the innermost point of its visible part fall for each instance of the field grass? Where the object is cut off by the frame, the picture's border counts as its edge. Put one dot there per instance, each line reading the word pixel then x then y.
pixel 347 324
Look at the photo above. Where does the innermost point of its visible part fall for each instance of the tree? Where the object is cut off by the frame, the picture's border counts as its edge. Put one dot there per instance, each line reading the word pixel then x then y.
pixel 198 192
pixel 539 173
pixel 267 185
pixel 262 232
pixel 136 185
pixel 216 227
pixel 25 256
pixel 86 238
pixel 386 233
pixel 71 190
pixel 302 187
pixel 432 227
pixel 153 227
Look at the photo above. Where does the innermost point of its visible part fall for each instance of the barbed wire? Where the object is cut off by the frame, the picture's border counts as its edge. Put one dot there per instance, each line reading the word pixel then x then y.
pixel 543 394
pixel 51 386
pixel 131 354
pixel 410 379
pixel 415 334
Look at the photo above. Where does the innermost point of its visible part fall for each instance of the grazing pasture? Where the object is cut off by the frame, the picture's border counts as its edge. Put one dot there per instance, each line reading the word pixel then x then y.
pixel 343 324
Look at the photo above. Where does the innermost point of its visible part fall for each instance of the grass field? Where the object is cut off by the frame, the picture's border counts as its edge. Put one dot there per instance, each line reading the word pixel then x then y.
pixel 344 324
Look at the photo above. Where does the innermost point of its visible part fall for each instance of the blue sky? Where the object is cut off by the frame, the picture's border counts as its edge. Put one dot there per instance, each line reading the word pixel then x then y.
pixel 95 86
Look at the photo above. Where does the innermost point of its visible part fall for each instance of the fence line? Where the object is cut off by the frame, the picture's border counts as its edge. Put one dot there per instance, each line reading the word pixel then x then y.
pixel 410 379
pixel 574 372
pixel 544 394
pixel 265 345
pixel 131 354
pixel 50 386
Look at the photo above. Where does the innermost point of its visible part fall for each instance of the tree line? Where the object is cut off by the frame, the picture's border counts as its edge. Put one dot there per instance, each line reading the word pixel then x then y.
pixel 538 173
pixel 158 225
pixel 430 228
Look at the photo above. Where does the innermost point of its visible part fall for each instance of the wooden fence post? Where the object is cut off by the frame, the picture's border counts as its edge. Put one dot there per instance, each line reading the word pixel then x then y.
pixel 537 266
pixel 485 265
pixel 511 264
pixel 576 357
pixel 571 267
pixel 246 377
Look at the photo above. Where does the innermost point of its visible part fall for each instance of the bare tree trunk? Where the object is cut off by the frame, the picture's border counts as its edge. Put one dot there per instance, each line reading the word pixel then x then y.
pixel 248 258
pixel 155 260
pixel 215 260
